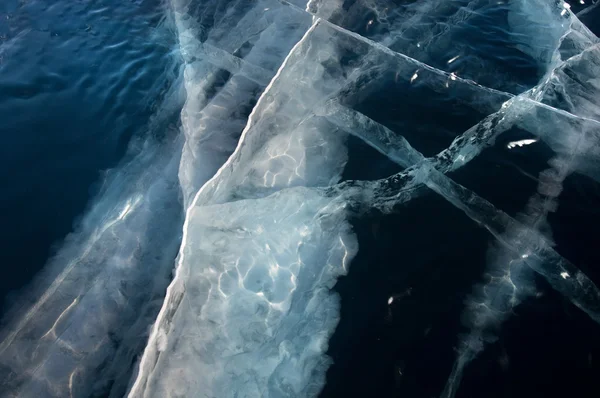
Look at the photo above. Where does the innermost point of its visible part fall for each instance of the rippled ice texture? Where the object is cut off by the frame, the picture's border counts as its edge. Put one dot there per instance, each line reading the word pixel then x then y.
pixel 83 84
pixel 250 309
pixel 275 92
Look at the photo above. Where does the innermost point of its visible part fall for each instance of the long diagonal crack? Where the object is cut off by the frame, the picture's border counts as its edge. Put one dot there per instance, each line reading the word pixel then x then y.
pixel 527 245
pixel 421 65
pixel 579 289
pixel 421 175
pixel 176 289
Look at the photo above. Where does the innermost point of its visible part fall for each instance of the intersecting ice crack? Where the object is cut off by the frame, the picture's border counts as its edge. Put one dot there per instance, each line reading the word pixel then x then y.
pixel 417 63
pixel 589 303
pixel 225 60
pixel 577 294
pixel 211 124
pixel 218 213
pixel 465 201
pixel 583 293
pixel 450 75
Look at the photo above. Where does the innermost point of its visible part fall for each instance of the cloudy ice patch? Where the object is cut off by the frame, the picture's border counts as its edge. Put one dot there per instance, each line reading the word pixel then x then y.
pixel 77 329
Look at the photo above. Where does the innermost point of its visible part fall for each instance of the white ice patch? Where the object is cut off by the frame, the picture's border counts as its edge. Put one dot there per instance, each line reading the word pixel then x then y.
pixel 259 253
pixel 257 310
pixel 520 143
pixel 250 310
pixel 213 121
pixel 80 324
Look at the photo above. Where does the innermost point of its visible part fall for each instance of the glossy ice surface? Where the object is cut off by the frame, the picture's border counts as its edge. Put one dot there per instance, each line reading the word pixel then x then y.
pixel 369 197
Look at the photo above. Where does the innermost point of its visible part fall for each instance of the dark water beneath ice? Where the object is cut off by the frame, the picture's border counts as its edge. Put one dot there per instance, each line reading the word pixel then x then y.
pixel 79 80
pixel 429 255
pixel 89 109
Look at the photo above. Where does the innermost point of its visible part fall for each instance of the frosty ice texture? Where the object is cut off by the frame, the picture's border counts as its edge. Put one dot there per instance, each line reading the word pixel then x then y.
pixel 273 91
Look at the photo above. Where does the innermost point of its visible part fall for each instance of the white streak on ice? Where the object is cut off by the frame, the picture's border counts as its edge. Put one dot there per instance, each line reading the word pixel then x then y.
pixel 173 296
pixel 520 143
